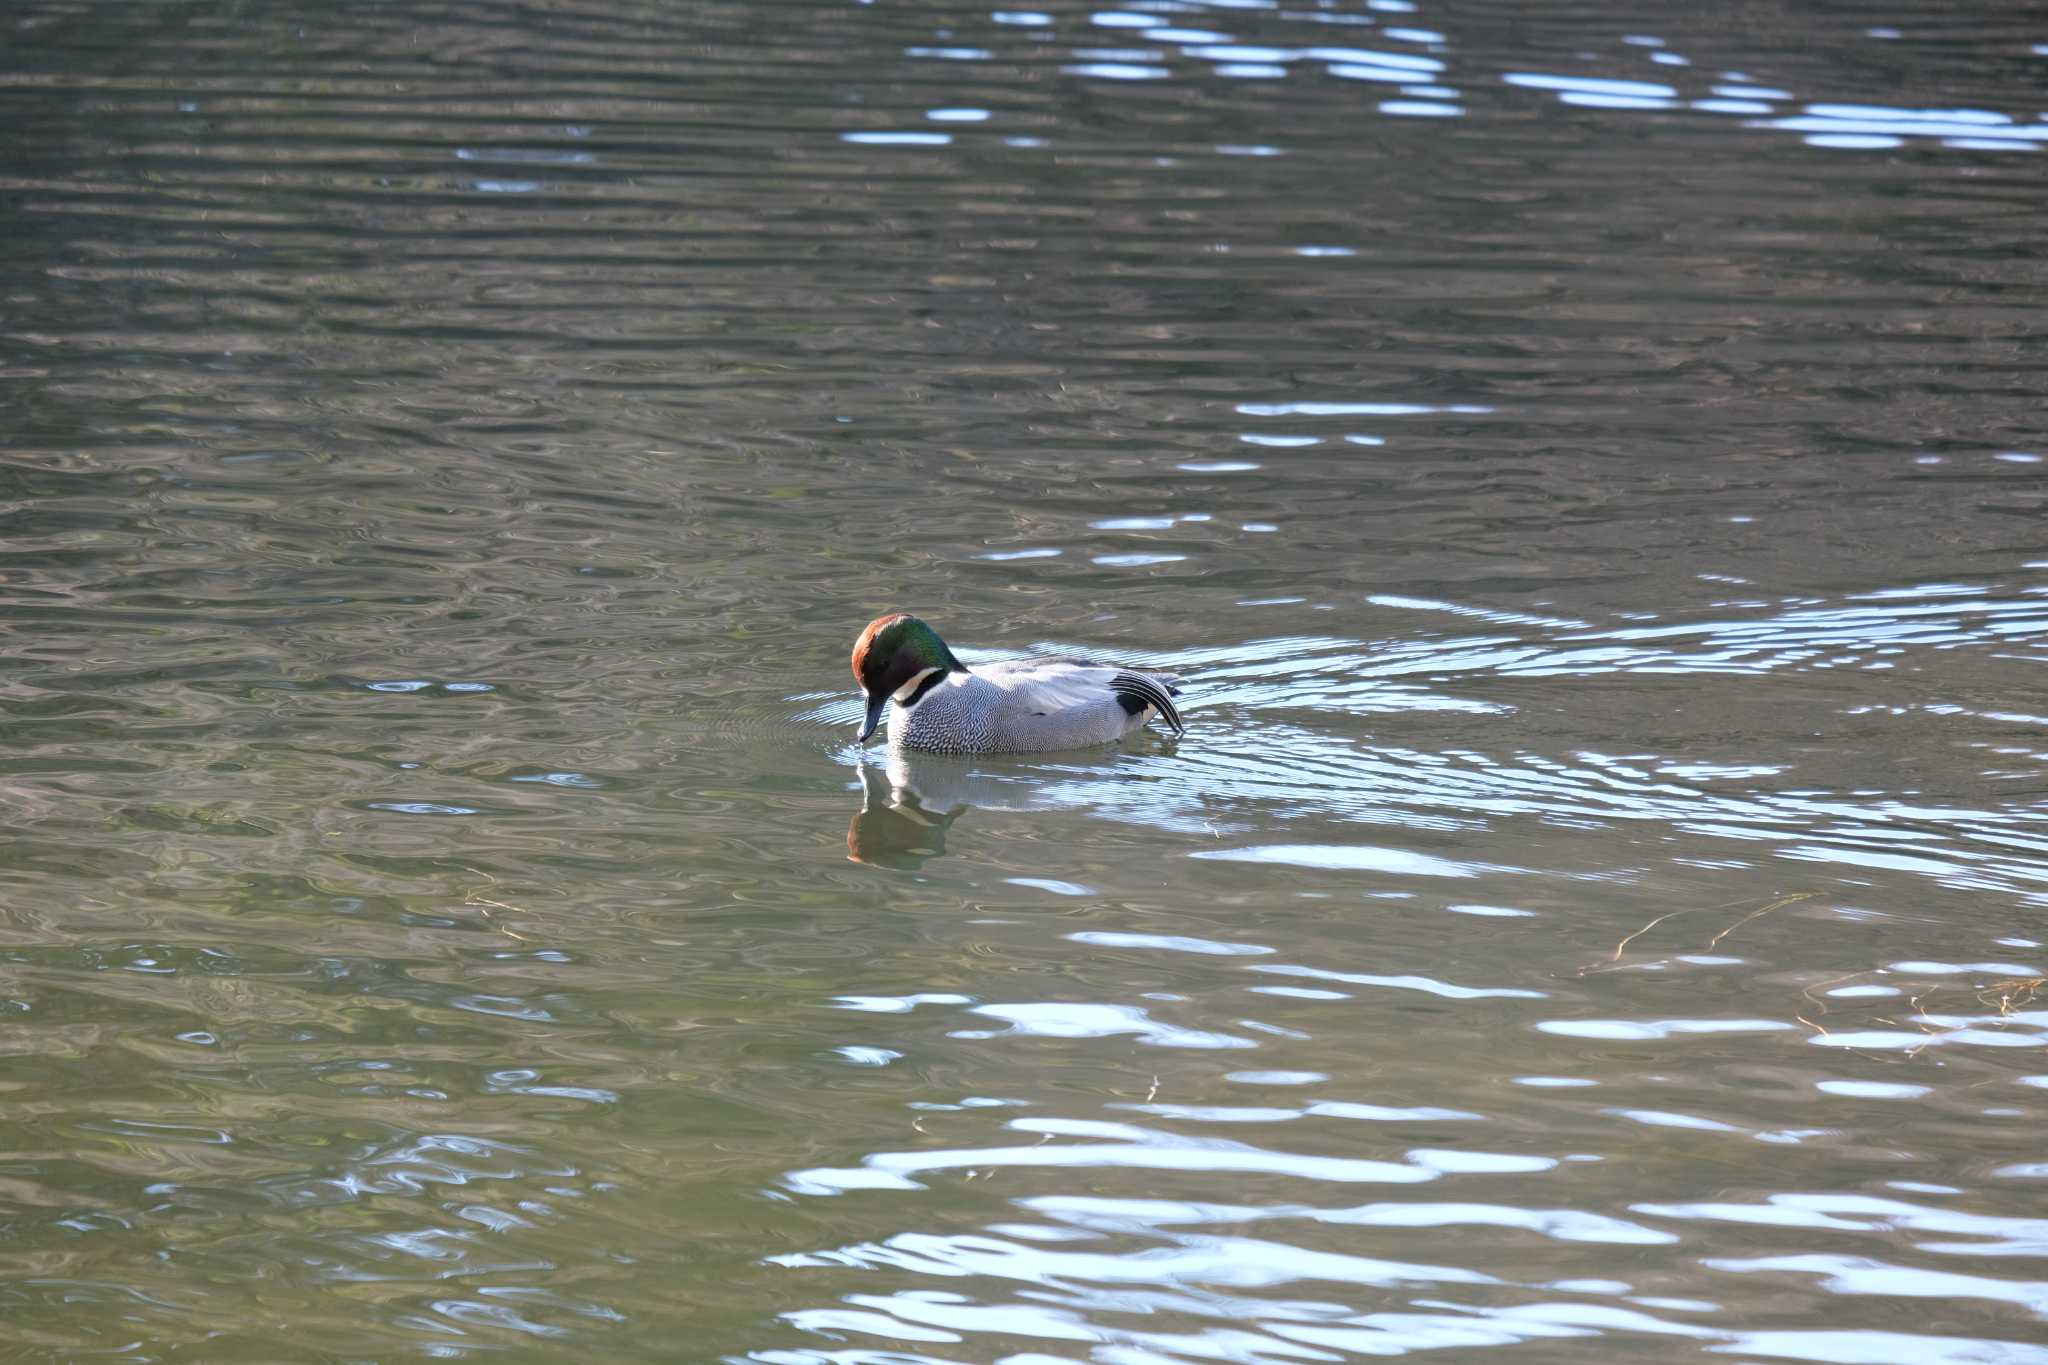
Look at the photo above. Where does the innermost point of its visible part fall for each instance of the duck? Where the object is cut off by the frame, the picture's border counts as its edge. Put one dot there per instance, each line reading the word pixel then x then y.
pixel 1010 706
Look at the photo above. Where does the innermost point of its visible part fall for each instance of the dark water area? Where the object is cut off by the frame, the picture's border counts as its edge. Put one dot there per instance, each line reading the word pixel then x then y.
pixel 1587 461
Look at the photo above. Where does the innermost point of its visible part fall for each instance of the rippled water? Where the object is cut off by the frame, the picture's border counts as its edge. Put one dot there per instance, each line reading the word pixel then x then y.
pixel 1586 459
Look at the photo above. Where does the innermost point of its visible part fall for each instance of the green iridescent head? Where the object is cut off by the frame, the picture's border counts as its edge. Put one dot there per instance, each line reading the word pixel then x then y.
pixel 893 656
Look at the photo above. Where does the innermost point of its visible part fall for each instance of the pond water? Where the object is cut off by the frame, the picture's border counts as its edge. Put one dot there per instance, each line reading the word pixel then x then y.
pixel 1586 460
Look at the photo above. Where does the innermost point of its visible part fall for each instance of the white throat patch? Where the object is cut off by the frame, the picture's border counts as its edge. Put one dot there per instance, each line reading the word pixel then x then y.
pixel 904 693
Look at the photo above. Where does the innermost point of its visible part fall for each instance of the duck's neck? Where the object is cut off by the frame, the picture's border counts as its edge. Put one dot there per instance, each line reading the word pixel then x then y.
pixel 915 691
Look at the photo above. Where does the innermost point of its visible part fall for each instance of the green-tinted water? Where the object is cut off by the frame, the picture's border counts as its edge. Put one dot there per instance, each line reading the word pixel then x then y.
pixel 1586 461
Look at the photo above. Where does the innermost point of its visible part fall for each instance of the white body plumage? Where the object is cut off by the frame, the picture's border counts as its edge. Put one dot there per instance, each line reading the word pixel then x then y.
pixel 1028 705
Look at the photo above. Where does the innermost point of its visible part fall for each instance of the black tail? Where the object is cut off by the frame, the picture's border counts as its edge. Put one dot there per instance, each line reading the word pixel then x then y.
pixel 1136 691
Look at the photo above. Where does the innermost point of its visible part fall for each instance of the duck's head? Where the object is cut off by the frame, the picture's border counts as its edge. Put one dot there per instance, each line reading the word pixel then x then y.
pixel 895 657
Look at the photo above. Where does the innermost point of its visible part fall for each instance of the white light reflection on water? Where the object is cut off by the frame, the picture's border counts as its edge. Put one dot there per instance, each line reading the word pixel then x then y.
pixel 1099 1264
pixel 1200 1262
pixel 1254 704
pixel 1113 1145
pixel 1592 85
pixel 1823 125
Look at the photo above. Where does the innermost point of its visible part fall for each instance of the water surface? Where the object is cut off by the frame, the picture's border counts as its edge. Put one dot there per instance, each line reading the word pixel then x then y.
pixel 1586 460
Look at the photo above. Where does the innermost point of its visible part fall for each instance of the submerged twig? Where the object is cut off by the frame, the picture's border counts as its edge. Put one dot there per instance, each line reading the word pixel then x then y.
pixel 1674 914
pixel 480 902
pixel 1778 904
pixel 2013 991
pixel 473 898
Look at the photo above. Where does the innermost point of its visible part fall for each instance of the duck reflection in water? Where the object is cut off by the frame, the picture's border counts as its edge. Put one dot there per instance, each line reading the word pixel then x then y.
pixel 908 805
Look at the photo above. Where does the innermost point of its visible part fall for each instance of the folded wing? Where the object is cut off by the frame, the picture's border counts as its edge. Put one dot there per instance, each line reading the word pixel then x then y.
pixel 1051 686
